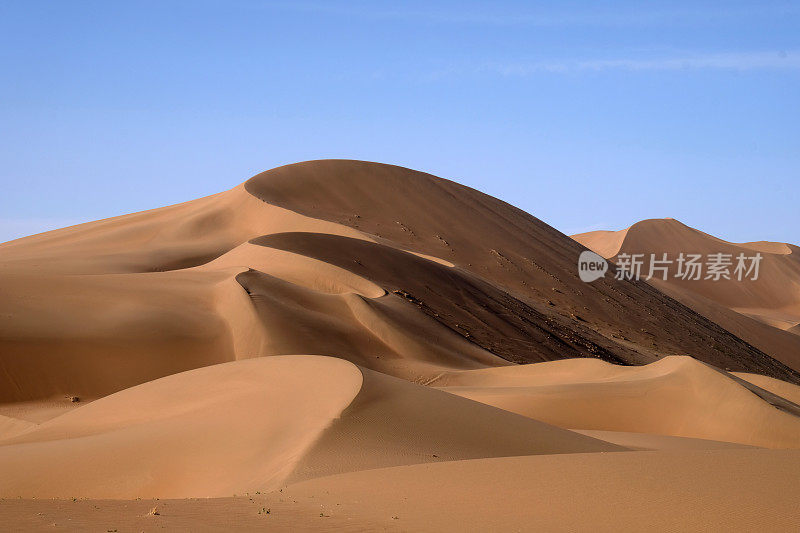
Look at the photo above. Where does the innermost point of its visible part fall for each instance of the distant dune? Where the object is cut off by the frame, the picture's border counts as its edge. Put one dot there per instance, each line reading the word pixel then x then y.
pixel 384 349
pixel 760 307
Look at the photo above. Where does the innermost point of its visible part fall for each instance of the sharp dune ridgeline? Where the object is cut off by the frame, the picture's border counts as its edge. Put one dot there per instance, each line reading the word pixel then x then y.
pixel 385 349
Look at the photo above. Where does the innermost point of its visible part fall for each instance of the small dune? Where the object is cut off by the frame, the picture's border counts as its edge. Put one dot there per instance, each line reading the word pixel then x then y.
pixel 676 396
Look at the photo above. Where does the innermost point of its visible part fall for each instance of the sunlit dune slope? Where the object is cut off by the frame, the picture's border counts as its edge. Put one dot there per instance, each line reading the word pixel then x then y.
pixel 250 425
pixel 676 396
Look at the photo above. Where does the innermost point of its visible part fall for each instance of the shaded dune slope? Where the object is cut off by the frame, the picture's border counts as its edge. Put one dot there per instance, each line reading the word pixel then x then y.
pixel 89 336
pixel 509 249
pixel 392 422
pixel 764 312
pixel 461 301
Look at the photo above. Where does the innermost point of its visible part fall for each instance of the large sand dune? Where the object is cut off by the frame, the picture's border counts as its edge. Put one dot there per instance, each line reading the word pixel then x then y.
pixel 405 273
pixel 351 333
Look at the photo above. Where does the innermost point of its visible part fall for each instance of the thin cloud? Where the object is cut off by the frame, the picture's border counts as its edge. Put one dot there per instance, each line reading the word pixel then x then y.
pixel 728 61
pixel 533 16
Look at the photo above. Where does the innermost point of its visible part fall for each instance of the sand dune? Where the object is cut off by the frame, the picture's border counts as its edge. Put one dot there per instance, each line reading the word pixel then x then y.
pixel 88 336
pixel 776 289
pixel 334 233
pixel 392 422
pixel 208 432
pixel 676 396
pixel 773 299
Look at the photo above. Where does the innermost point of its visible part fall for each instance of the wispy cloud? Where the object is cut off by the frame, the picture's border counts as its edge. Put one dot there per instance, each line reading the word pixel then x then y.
pixel 532 15
pixel 778 60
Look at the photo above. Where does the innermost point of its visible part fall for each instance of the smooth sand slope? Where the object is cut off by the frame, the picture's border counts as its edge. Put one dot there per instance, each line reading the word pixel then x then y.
pixel 759 306
pixel 589 492
pixel 676 396
pixel 206 432
pixel 731 490
pixel 776 386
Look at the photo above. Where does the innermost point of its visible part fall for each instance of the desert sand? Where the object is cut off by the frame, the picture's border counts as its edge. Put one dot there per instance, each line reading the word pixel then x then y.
pixel 344 345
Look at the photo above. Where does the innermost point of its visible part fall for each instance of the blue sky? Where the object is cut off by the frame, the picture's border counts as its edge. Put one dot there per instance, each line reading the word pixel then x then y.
pixel 589 115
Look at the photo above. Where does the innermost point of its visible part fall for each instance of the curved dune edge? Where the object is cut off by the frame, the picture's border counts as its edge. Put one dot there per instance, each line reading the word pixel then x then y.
pixel 675 396
pixel 781 388
pixel 393 422
pixel 212 431
pixel 296 268
pixel 174 237
pixel 651 442
pixel 606 243
pixel 256 425
pixel 387 334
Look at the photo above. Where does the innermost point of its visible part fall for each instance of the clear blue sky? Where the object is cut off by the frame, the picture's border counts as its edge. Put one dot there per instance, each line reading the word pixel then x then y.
pixel 589 115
